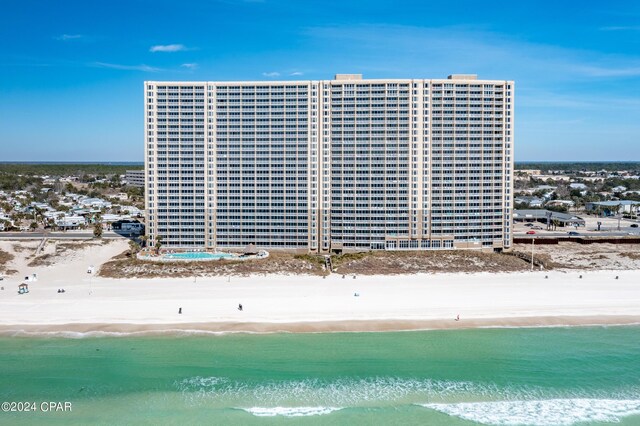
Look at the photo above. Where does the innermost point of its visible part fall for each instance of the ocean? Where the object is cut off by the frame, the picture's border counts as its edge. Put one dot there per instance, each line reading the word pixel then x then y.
pixel 517 376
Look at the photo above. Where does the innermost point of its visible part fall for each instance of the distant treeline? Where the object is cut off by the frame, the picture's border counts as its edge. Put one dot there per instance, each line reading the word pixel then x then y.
pixel 67 169
pixel 72 169
pixel 12 182
pixel 578 166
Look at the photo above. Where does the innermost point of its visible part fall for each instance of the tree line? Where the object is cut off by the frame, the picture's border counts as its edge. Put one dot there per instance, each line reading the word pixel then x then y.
pixel 70 169
pixel 590 166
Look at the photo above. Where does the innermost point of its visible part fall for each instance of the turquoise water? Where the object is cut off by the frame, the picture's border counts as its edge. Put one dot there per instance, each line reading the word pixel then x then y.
pixel 199 256
pixel 542 376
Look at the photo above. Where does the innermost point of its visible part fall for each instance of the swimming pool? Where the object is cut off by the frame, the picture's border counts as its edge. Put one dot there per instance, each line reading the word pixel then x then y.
pixel 198 256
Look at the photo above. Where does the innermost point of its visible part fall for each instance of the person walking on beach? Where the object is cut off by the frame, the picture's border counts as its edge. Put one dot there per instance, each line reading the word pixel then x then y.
pixel 240 306
pixel 179 310
pixel 458 317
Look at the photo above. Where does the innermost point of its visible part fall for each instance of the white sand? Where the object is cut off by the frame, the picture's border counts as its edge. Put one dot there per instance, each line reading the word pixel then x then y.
pixel 412 301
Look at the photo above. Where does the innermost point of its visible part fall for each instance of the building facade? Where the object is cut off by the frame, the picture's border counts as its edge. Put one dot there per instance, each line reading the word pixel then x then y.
pixel 344 165
pixel 135 178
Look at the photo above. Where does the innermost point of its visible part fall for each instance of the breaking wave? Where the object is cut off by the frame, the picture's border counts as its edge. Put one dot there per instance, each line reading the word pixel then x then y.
pixel 330 393
pixel 491 405
pixel 551 412
pixel 290 411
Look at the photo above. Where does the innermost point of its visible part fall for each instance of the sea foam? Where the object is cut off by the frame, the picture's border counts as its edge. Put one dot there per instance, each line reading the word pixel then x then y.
pixel 329 393
pixel 381 391
pixel 500 406
pixel 290 411
pixel 551 412
pixel 68 334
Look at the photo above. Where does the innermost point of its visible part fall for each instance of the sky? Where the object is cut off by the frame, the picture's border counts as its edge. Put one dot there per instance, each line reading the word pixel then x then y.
pixel 72 72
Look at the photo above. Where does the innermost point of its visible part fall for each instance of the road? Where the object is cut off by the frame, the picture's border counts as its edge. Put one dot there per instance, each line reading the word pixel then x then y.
pixel 541 234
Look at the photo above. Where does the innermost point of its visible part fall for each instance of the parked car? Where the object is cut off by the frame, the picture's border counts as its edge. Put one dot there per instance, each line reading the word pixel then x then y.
pixel 634 225
pixel 539 228
pixel 528 224
pixel 531 232
pixel 574 233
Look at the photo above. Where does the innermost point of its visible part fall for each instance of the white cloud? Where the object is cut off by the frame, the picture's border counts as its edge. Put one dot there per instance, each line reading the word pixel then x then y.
pixel 610 72
pixel 190 66
pixel 541 98
pixel 168 48
pixel 621 28
pixel 67 37
pixel 142 67
pixel 271 74
pixel 469 50
pixel 296 74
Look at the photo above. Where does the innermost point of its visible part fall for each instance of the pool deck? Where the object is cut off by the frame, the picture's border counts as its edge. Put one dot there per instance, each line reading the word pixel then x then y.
pixel 202 256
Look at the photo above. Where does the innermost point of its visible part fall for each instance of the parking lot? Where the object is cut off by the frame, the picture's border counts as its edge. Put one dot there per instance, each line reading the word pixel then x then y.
pixel 608 227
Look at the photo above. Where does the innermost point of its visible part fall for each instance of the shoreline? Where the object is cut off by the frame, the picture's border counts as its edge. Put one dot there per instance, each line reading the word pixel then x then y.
pixel 290 303
pixel 77 330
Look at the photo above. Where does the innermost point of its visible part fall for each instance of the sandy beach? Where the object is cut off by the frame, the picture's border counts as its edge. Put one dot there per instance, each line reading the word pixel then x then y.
pixel 303 303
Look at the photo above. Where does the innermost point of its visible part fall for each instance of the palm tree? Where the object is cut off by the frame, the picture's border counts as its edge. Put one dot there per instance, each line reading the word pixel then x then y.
pixel 15 218
pixel 144 239
pixel 598 210
pixel 615 210
pixel 97 217
pixel 97 230
pixel 133 247
pixel 158 243
pixel 577 203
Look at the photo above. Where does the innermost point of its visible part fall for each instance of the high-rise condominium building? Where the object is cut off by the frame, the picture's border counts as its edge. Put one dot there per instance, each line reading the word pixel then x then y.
pixel 135 178
pixel 343 164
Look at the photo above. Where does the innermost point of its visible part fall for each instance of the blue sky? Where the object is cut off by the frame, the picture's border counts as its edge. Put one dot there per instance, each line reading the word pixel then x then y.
pixel 72 72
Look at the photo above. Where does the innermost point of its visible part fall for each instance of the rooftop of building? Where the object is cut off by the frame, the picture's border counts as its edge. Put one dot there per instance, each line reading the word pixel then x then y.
pixel 615 203
pixel 543 214
pixel 342 78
